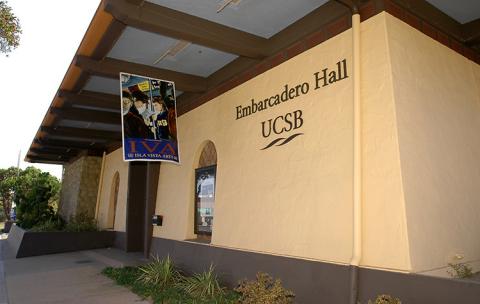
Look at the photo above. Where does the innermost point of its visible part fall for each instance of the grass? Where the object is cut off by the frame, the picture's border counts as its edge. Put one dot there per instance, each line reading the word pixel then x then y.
pixel 2 225
pixel 131 277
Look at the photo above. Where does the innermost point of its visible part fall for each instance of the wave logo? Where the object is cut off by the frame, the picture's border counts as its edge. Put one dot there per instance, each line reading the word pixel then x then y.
pixel 281 141
pixel 282 124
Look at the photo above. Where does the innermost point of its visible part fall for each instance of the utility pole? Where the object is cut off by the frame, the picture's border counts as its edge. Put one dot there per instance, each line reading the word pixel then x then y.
pixel 12 210
pixel 18 162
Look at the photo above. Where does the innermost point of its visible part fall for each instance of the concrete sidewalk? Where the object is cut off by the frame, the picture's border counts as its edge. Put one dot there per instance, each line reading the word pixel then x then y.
pixel 64 278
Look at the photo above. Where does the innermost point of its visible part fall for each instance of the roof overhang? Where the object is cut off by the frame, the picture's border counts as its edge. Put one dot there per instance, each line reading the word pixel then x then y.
pixel 85 120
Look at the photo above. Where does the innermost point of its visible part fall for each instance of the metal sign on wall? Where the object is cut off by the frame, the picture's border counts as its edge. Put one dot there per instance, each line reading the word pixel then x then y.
pixel 149 119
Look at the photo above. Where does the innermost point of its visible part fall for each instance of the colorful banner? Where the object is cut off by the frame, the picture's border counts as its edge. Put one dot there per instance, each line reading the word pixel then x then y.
pixel 149 119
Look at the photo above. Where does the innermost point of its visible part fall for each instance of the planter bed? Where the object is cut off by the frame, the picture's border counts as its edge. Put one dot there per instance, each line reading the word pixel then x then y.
pixel 24 243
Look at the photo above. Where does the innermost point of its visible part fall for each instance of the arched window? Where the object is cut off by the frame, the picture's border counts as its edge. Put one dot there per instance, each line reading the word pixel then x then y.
pixel 205 176
pixel 208 157
pixel 112 205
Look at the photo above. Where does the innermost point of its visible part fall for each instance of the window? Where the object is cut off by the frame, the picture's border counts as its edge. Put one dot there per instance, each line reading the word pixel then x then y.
pixel 205 191
pixel 204 199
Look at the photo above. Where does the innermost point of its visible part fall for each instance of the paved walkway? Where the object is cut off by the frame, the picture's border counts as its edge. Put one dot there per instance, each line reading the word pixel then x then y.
pixel 64 278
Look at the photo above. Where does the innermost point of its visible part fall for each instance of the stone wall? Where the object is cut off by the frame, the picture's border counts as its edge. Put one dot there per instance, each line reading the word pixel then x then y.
pixel 70 188
pixel 80 186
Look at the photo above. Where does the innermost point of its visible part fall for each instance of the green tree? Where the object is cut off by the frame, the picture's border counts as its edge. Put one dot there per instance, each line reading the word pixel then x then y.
pixel 37 195
pixel 8 179
pixel 10 29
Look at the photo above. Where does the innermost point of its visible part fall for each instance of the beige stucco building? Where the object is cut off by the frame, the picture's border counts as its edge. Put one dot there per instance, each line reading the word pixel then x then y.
pixel 385 177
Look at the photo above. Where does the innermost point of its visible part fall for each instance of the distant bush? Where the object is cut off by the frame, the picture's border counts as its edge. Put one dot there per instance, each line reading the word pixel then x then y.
pixel 264 290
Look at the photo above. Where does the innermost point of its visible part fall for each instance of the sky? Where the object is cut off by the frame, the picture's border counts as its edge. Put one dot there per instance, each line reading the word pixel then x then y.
pixel 31 75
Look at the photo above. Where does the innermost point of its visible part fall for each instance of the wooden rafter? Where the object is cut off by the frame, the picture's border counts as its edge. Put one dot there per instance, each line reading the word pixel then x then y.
pixel 51 157
pixel 87 115
pixel 161 20
pixel 136 2
pixel 472 32
pixel 68 144
pixel 32 159
pixel 311 23
pixel 82 133
pixel 49 151
pixel 108 40
pixel 110 67
pixel 91 99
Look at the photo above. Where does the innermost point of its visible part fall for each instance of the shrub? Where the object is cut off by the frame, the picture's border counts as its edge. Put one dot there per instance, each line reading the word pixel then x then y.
pixel 81 222
pixel 130 277
pixel 264 290
pixel 53 224
pixel 36 197
pixel 460 270
pixel 159 273
pixel 385 299
pixel 203 285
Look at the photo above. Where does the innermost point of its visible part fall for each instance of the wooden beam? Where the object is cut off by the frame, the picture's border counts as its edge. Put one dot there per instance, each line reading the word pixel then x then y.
pixel 311 23
pixel 49 151
pixel 234 68
pixel 109 38
pixel 472 32
pixel 161 20
pixel 184 102
pixel 90 134
pixel 432 15
pixel 68 144
pixel 112 146
pixel 84 99
pixel 54 149
pixel 44 161
pixel 111 68
pixel 136 2
pixel 87 115
pixel 41 156
pixel 99 95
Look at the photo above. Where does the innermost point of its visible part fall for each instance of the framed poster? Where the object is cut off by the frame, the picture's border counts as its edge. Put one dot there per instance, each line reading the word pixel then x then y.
pixel 149 119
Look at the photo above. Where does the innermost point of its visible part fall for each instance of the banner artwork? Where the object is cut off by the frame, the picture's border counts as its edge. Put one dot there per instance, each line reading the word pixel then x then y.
pixel 149 119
